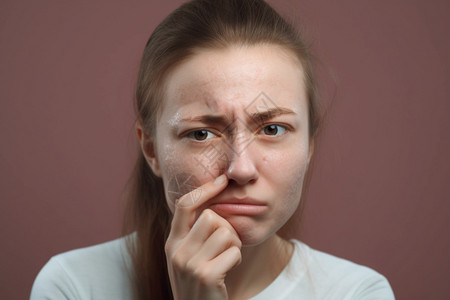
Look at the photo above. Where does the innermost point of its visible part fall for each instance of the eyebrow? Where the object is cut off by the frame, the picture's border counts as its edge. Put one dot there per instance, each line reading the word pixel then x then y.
pixel 263 116
pixel 208 119
pixel 258 117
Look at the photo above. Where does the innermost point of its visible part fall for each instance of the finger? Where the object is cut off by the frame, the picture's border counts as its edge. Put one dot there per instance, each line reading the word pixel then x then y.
pixel 217 243
pixel 207 225
pixel 223 263
pixel 184 215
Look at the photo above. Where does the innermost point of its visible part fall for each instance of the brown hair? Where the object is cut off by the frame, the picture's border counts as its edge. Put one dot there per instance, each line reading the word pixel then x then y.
pixel 197 24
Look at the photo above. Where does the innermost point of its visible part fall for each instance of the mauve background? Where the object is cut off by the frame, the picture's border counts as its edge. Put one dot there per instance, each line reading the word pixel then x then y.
pixel 380 193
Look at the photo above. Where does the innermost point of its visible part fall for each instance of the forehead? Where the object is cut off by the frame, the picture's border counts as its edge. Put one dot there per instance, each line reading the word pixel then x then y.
pixel 219 79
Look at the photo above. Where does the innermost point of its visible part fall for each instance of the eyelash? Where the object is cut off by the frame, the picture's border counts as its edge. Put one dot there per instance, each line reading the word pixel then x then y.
pixel 277 126
pixel 191 134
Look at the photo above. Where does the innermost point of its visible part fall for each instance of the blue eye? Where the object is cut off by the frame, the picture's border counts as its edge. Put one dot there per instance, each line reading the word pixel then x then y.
pixel 273 129
pixel 201 135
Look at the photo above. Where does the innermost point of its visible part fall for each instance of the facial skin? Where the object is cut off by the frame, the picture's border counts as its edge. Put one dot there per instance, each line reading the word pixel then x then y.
pixel 264 160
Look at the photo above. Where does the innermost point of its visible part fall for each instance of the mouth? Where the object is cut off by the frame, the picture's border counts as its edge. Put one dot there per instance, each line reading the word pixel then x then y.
pixel 234 206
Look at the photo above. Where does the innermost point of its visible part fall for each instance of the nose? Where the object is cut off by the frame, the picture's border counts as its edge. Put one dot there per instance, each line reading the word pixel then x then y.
pixel 242 167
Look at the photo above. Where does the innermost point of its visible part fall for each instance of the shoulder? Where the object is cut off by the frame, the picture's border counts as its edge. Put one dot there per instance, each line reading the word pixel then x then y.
pixel 333 277
pixel 101 270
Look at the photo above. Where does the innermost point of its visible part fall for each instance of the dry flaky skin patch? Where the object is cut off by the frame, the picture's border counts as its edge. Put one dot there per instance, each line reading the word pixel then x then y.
pixel 182 184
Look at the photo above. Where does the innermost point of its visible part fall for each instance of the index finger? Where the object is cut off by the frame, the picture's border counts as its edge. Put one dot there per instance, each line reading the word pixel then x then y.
pixel 185 207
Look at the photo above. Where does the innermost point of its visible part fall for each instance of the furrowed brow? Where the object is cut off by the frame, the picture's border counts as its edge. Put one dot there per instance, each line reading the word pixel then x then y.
pixel 263 116
pixel 208 119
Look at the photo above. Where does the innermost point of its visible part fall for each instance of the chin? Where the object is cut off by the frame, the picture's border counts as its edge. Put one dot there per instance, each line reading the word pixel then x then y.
pixel 251 232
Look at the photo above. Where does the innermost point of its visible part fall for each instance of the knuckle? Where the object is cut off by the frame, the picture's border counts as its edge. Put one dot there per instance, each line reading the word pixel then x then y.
pixel 238 243
pixel 230 236
pixel 239 257
pixel 229 227
pixel 177 260
pixel 236 253
pixel 204 276
pixel 168 247
pixel 208 215
pixel 191 267
pixel 225 232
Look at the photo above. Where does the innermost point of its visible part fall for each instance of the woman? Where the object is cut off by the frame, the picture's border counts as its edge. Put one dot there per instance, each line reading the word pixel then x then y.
pixel 227 117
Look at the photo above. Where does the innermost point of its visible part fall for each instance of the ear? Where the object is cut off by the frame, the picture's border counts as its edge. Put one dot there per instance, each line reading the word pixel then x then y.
pixel 148 149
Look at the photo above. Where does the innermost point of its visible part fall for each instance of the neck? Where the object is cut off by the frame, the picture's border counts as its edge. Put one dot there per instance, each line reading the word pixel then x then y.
pixel 252 276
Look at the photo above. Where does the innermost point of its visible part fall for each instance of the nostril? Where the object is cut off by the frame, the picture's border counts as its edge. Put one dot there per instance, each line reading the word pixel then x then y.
pixel 232 182
pixel 236 183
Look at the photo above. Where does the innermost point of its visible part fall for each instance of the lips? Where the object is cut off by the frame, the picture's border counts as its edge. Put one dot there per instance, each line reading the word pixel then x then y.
pixel 234 206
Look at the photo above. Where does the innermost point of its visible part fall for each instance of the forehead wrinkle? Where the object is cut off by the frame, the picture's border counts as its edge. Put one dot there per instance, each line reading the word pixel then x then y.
pixel 196 94
pixel 194 98
pixel 224 86
pixel 213 93
pixel 222 82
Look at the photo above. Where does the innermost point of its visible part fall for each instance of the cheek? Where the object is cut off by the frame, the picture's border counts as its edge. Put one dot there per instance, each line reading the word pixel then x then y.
pixel 177 179
pixel 296 175
pixel 184 170
pixel 286 172
pixel 178 185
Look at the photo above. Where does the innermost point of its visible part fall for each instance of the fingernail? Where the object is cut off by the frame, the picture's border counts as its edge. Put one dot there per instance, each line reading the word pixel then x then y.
pixel 221 179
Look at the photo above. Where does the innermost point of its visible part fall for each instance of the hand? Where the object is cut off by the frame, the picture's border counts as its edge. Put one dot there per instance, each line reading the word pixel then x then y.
pixel 201 252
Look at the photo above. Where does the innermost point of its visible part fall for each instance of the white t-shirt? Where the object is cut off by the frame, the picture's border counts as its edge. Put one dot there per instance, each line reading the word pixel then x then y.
pixel 101 272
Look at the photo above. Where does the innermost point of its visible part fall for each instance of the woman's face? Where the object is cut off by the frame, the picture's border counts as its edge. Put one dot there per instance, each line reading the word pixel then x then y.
pixel 241 111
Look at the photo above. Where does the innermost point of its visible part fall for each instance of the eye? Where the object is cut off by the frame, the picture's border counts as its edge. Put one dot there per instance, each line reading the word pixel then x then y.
pixel 201 135
pixel 273 129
